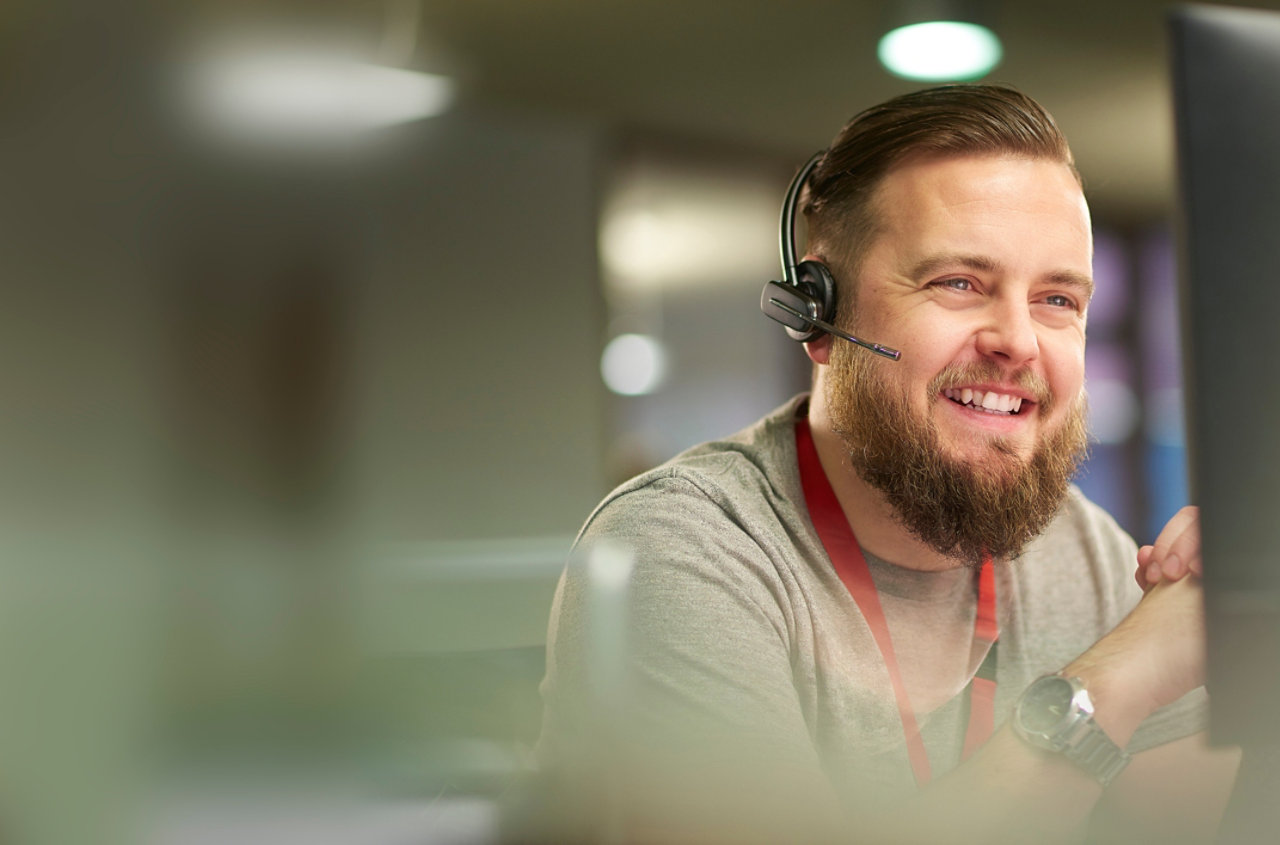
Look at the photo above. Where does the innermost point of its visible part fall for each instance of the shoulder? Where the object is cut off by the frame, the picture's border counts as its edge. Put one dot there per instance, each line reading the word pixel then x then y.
pixel 1083 545
pixel 738 485
pixel 720 531
pixel 1089 533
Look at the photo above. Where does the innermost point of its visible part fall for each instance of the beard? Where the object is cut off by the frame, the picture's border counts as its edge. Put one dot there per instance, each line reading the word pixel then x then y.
pixel 964 510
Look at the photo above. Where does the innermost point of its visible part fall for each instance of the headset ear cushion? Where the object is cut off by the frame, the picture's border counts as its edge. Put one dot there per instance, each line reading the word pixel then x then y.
pixel 815 280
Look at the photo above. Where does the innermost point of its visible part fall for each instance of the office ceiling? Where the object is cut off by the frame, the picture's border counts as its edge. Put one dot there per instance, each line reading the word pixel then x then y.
pixel 783 76
pixel 773 76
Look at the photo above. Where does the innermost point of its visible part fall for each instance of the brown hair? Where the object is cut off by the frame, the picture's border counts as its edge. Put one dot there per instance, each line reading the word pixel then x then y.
pixel 948 120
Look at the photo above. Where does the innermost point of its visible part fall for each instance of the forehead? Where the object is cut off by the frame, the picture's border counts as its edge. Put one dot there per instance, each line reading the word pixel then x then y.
pixel 983 198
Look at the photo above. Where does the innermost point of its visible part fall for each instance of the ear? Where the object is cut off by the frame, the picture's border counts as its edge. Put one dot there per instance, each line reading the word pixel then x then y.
pixel 819 351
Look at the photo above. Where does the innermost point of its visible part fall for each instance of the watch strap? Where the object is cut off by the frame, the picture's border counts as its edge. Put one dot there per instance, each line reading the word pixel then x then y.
pixel 1092 750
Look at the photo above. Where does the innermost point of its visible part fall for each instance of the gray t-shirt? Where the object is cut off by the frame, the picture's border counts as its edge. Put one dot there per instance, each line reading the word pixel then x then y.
pixel 743 643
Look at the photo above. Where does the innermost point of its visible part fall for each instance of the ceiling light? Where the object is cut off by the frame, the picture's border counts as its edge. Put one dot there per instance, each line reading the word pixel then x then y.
pixel 300 95
pixel 940 51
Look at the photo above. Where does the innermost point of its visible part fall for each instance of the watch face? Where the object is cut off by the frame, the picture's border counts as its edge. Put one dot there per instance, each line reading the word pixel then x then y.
pixel 1045 703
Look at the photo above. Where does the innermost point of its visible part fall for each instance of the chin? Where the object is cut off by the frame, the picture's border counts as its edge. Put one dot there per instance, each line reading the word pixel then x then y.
pixel 979 448
pixel 995 457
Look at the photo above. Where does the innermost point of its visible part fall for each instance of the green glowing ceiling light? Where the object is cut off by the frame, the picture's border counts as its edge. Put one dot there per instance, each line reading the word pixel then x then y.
pixel 940 51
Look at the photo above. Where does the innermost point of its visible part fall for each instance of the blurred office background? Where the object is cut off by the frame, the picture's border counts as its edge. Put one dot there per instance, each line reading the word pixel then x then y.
pixel 305 394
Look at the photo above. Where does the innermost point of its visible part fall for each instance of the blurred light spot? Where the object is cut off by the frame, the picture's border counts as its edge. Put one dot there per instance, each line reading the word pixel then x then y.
pixel 1113 410
pixel 609 567
pixel 637 245
pixel 677 227
pixel 938 51
pixel 1111 264
pixel 633 364
pixel 298 95
pixel 1164 424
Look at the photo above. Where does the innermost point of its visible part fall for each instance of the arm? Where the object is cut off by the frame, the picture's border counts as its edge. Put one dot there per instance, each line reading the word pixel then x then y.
pixel 1176 792
pixel 1148 660
pixel 1173 793
pixel 1011 792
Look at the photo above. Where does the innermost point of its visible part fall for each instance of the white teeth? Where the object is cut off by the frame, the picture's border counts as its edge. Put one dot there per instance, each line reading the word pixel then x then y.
pixel 990 401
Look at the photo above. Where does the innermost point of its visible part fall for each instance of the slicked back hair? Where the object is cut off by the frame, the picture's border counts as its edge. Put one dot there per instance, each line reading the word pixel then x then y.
pixel 948 120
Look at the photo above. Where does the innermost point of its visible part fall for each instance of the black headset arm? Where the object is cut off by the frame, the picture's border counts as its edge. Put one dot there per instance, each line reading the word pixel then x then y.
pixel 787 225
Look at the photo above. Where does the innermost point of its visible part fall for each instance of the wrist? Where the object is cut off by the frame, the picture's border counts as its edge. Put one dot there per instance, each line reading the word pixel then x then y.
pixel 1152 658
pixel 1056 713
pixel 1118 686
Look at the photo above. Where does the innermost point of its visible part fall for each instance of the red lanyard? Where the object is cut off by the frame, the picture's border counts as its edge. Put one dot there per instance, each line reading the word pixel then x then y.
pixel 846 556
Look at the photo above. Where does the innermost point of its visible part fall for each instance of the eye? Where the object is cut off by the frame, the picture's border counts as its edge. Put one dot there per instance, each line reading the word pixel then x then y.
pixel 1057 300
pixel 957 284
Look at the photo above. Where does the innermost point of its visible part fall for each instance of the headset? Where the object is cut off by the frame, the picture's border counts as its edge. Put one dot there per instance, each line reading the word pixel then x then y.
pixel 805 300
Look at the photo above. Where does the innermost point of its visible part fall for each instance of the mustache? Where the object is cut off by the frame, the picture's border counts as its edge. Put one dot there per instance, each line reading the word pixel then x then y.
pixel 958 375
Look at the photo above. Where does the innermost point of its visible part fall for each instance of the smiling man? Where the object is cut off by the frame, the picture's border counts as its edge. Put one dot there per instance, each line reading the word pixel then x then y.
pixel 883 613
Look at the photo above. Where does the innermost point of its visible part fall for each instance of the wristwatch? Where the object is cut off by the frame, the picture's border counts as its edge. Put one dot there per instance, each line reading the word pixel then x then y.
pixel 1055 713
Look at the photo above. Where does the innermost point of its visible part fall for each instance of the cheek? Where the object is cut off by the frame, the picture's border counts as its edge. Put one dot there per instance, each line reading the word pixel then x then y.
pixel 919 381
pixel 1067 376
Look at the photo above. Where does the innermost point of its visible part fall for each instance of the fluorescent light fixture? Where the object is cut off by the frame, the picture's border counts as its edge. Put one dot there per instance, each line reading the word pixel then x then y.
pixel 940 51
pixel 287 95
pixel 633 364
pixel 385 96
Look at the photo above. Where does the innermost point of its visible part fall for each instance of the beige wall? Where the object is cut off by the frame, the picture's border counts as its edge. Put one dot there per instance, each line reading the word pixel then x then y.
pixel 476 330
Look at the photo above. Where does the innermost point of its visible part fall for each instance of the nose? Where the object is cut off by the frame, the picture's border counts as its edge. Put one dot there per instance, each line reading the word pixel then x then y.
pixel 1009 335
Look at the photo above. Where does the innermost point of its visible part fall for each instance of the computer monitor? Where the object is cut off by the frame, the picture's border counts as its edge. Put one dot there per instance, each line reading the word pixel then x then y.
pixel 1226 82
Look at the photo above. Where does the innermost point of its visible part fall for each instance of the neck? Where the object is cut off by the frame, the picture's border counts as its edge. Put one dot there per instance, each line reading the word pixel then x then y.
pixel 873 520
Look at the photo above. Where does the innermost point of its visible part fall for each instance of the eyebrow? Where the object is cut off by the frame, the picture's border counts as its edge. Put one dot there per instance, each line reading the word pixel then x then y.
pixel 984 264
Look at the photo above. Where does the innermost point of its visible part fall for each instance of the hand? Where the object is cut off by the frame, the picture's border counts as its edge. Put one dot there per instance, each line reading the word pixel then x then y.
pixel 1175 553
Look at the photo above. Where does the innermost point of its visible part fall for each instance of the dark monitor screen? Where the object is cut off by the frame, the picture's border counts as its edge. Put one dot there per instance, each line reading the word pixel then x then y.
pixel 1226 81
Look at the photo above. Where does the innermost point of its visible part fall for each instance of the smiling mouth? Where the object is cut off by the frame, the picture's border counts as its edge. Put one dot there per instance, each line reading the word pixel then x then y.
pixel 1001 404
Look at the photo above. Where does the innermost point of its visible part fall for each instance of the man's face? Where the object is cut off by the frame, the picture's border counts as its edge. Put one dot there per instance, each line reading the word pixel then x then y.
pixel 980 275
